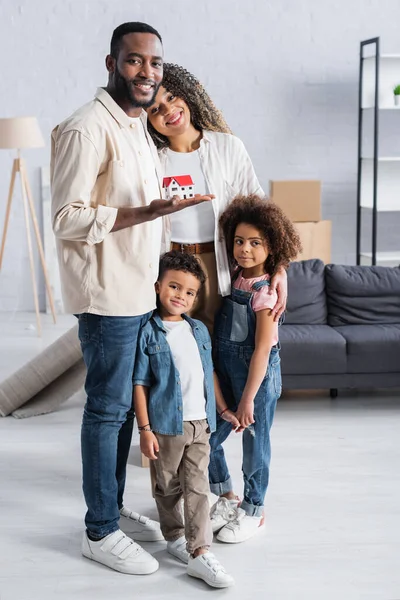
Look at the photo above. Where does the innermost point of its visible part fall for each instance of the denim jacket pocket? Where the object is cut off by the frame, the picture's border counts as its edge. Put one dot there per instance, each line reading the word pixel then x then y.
pixel 160 355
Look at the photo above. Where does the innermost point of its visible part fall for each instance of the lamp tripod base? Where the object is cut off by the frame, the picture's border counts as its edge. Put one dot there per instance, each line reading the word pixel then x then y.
pixel 29 212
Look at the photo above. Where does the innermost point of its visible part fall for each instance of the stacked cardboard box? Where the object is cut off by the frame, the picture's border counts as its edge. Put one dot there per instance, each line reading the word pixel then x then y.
pixel 301 202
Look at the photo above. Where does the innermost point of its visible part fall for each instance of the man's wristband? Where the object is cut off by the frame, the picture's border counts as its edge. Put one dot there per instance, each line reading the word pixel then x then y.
pixel 222 412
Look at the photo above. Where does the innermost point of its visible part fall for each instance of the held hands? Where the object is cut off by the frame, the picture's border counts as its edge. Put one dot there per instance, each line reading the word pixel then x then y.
pixel 245 414
pixel 149 444
pixel 161 208
pixel 230 417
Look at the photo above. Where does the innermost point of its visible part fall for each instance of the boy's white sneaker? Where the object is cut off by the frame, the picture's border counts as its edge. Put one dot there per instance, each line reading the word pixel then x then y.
pixel 206 567
pixel 178 549
pixel 120 553
pixel 222 512
pixel 139 527
pixel 241 529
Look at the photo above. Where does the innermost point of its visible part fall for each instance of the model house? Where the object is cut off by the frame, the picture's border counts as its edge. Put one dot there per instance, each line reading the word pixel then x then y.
pixel 181 185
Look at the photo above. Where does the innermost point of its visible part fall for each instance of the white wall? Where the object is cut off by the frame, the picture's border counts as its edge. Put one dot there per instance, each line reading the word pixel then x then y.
pixel 284 72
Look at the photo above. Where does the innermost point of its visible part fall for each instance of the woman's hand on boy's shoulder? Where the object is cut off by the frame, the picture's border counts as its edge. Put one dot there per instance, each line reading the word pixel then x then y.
pixel 149 444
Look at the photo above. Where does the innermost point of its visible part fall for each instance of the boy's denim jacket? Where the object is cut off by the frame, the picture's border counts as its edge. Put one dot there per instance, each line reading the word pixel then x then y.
pixel 155 369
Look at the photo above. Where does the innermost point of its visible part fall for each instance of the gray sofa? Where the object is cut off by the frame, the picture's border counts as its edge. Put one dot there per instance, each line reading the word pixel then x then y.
pixel 342 327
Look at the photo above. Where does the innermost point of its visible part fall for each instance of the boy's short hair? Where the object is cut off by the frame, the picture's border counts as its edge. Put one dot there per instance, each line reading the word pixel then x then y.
pixel 180 261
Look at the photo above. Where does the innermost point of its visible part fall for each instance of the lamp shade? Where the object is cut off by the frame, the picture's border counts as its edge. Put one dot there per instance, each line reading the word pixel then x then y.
pixel 20 132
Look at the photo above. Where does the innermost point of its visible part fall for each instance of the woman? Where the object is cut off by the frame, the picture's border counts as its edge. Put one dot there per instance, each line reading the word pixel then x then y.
pixel 199 155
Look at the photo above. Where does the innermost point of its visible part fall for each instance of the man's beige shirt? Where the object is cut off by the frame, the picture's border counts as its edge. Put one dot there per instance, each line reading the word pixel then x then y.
pixel 102 160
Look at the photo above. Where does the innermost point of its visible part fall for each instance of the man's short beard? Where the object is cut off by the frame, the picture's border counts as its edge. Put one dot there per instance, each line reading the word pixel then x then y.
pixel 123 89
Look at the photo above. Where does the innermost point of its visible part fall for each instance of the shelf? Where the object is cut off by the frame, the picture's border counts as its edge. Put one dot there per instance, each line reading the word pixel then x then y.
pixel 388 193
pixel 385 187
pixel 389 77
pixel 394 107
pixel 383 158
pixel 384 57
pixel 387 259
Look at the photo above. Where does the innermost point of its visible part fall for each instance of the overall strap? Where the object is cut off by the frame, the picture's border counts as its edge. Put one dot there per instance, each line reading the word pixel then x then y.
pixel 258 285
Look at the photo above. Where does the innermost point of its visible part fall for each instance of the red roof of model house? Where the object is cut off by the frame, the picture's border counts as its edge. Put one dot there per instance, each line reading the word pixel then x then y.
pixel 181 180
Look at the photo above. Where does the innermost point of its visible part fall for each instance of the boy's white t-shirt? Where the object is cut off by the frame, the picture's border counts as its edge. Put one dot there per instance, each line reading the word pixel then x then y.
pixel 187 360
pixel 194 225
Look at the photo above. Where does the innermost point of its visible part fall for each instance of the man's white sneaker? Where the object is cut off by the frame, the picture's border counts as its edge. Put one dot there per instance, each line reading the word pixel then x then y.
pixel 140 528
pixel 207 568
pixel 241 529
pixel 222 512
pixel 120 553
pixel 178 549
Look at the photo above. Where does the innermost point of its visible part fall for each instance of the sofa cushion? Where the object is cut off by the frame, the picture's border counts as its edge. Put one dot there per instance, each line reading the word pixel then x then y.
pixel 312 349
pixel 306 293
pixel 362 295
pixel 372 348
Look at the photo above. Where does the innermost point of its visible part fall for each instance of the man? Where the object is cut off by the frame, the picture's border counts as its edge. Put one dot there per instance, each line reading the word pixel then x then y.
pixel 105 177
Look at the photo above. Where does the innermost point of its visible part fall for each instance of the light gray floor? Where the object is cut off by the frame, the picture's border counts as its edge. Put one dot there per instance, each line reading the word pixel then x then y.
pixel 333 510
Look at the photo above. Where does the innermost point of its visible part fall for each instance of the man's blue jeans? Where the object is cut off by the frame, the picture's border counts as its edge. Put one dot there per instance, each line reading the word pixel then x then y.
pixel 109 349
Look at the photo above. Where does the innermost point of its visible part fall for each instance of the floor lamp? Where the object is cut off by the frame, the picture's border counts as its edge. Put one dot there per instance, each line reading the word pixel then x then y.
pixel 17 133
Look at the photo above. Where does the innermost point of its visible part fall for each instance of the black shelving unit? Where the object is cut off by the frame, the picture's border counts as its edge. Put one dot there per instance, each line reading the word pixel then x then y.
pixel 363 45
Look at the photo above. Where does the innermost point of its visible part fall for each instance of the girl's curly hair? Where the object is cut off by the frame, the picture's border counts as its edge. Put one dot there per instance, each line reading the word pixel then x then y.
pixel 281 237
pixel 204 114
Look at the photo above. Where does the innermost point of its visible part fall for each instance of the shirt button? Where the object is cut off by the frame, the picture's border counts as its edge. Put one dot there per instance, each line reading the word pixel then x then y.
pixel 179 408
pixel 151 265
pixel 132 125
pixel 140 153
pixel 145 181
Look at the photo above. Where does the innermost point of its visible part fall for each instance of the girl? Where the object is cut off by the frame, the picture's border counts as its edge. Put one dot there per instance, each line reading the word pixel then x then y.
pixel 260 239
pixel 198 153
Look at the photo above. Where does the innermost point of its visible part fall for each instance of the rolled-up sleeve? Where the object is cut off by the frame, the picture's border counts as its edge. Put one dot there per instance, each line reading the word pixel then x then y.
pixel 142 371
pixel 75 167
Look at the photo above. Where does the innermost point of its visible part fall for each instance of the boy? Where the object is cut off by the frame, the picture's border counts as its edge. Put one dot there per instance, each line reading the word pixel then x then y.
pixel 175 410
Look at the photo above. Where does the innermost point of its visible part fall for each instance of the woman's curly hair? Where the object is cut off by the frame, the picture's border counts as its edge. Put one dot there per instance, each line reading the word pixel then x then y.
pixel 281 237
pixel 204 114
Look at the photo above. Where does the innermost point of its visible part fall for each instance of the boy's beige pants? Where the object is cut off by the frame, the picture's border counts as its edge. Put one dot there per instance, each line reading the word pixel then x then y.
pixel 181 471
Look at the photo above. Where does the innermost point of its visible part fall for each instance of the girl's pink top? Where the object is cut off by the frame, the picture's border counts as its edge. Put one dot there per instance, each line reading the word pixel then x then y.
pixel 262 299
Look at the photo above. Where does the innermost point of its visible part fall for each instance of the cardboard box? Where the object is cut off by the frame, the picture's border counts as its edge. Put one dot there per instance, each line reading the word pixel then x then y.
pixel 316 240
pixel 300 200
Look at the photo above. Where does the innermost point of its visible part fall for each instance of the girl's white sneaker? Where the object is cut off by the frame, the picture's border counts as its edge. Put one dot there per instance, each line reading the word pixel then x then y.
pixel 140 528
pixel 178 549
pixel 240 529
pixel 222 512
pixel 207 568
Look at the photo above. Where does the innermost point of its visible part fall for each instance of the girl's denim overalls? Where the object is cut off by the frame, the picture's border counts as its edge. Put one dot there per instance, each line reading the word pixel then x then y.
pixel 234 343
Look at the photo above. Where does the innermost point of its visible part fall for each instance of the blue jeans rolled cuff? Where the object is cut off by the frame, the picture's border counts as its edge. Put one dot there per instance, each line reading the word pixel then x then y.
pixel 221 488
pixel 251 510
